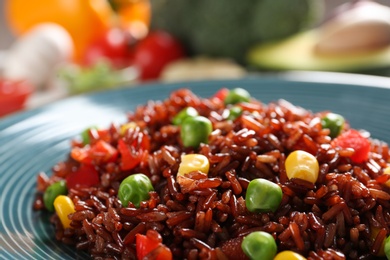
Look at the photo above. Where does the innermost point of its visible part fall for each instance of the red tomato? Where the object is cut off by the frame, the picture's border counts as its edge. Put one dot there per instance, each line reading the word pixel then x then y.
pixel 353 139
pixel 13 95
pixel 85 176
pixel 154 52
pixel 146 244
pixel 113 46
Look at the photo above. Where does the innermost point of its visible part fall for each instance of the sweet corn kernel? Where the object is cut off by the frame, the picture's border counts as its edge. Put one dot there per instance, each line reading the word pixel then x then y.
pixel 387 171
pixel 64 206
pixel 127 126
pixel 193 162
pixel 302 165
pixel 289 255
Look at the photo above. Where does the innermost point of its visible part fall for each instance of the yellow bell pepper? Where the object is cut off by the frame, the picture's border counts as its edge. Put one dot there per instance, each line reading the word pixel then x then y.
pixel 85 20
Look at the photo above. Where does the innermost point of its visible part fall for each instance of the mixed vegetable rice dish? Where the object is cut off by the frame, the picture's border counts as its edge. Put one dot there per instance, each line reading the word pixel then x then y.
pixel 222 177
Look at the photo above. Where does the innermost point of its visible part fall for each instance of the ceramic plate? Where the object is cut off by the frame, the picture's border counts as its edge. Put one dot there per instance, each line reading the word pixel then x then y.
pixel 35 140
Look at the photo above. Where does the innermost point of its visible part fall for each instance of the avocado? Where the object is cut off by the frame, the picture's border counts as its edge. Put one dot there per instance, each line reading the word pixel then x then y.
pixel 356 40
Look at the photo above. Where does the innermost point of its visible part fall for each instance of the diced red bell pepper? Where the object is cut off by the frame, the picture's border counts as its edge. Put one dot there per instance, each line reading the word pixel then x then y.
pixel 85 176
pixel 221 94
pixel 133 154
pixel 353 139
pixel 146 244
pixel 100 152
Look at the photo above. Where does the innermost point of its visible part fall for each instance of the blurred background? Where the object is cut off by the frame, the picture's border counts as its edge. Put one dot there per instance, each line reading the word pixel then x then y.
pixel 51 49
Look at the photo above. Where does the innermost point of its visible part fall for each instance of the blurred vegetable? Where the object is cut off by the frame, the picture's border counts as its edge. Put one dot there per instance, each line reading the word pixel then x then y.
pixel 355 39
pixel 13 95
pixel 237 95
pixel 263 196
pixel 234 112
pixel 259 245
pixel 135 189
pixel 334 122
pixel 154 52
pixel 151 246
pixel 97 77
pixel 64 206
pixel 221 94
pixel 353 139
pixel 356 27
pixel 195 130
pixel 302 165
pixel 127 126
pixel 84 20
pixel 36 55
pixel 85 135
pixel 51 193
pixel 387 247
pixel 133 15
pixel 113 46
pixel 228 28
pixel 387 171
pixel 183 114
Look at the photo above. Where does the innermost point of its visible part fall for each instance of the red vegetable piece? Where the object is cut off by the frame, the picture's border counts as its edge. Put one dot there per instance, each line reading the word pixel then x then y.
pixel 154 52
pixel 81 154
pixel 13 95
pixel 353 139
pixel 221 94
pixel 112 46
pixel 85 176
pixel 100 152
pixel 103 152
pixel 133 154
pixel 146 244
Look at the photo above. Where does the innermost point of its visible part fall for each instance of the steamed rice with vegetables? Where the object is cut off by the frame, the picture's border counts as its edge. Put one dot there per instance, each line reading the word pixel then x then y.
pixel 224 177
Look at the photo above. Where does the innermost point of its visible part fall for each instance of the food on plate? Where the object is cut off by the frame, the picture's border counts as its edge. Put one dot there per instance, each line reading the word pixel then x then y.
pixel 227 29
pixel 267 181
pixel 356 39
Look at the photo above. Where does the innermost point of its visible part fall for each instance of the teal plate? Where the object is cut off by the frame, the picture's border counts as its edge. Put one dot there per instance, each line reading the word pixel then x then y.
pixel 35 140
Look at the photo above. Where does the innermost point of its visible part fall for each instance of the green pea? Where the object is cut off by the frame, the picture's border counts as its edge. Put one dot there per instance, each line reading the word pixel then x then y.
pixel 51 193
pixel 387 247
pixel 259 245
pixel 234 112
pixel 237 95
pixel 334 122
pixel 195 130
pixel 135 189
pixel 183 114
pixel 263 196
pixel 85 135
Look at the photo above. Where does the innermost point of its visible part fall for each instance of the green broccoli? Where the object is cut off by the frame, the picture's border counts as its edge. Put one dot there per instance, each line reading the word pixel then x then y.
pixel 228 28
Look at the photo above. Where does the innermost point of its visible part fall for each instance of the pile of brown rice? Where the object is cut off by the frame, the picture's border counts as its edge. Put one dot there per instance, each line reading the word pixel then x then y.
pixel 344 215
